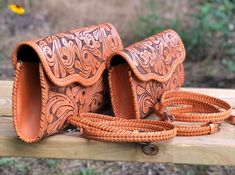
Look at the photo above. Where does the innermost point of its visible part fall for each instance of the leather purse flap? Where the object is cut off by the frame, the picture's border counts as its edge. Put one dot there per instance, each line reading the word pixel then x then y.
pixel 154 58
pixel 75 56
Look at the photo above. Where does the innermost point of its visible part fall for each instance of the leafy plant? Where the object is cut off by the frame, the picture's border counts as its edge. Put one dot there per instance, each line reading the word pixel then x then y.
pixel 84 171
pixel 6 161
pixel 2 4
pixel 21 167
pixel 1 55
pixel 229 65
pixel 51 163
pixel 11 162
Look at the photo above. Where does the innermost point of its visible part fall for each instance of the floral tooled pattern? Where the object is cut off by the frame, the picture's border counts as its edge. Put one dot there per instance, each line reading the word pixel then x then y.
pixel 149 93
pixel 157 54
pixel 79 52
pixel 70 101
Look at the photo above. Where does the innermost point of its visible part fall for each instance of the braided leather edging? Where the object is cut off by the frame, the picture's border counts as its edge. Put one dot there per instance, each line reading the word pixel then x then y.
pixel 14 105
pixel 112 94
pixel 14 101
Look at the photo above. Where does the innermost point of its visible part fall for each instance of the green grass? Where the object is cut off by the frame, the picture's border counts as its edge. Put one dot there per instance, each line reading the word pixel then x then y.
pixel 21 167
pixel 6 161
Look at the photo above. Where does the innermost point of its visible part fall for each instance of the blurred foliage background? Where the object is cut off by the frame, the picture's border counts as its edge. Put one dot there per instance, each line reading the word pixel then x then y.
pixel 207 28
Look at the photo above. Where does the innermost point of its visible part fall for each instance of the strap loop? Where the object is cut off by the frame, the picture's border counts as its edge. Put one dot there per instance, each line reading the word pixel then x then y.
pixel 231 120
pixel 165 115
pixel 214 127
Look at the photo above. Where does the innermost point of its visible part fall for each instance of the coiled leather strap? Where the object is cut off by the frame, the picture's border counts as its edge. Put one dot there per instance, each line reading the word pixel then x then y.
pixel 175 106
pixel 185 106
pixel 114 129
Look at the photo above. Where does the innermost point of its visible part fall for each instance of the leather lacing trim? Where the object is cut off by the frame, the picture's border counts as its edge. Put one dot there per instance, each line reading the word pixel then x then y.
pixel 14 100
pixel 175 105
pixel 44 95
pixel 112 89
pixel 14 104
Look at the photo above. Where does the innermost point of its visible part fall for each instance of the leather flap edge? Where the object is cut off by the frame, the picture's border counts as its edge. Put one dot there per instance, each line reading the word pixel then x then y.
pixel 75 56
pixel 156 57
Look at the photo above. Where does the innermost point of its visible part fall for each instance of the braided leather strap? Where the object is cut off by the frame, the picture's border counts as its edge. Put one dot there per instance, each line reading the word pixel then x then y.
pixel 186 106
pixel 179 106
pixel 115 129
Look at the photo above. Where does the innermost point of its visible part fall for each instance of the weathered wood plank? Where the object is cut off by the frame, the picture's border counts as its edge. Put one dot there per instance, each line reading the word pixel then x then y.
pixel 5 97
pixel 213 149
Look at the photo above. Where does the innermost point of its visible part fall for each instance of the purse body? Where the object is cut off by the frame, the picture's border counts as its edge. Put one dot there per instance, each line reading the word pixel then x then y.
pixel 60 76
pixel 142 72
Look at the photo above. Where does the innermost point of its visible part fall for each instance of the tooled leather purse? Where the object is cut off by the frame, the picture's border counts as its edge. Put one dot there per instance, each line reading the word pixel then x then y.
pixel 144 78
pixel 59 76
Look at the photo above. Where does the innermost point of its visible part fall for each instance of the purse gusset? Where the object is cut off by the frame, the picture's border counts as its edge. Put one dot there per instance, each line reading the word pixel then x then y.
pixel 142 72
pixel 60 76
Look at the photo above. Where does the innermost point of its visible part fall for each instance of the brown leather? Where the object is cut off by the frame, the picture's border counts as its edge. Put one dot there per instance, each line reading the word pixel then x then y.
pixel 138 76
pixel 114 129
pixel 196 108
pixel 59 76
pixel 231 119
pixel 175 105
pixel 142 72
pixel 60 79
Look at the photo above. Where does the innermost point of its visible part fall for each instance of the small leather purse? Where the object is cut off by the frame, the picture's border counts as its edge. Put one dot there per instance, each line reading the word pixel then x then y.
pixel 145 78
pixel 142 72
pixel 59 76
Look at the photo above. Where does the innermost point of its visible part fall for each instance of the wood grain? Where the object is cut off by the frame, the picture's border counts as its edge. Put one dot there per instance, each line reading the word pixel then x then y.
pixel 216 149
pixel 5 97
